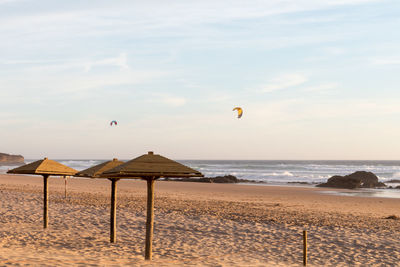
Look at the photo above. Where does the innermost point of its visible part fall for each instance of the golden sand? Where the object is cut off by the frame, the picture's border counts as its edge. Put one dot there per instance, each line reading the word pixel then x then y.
pixel 195 225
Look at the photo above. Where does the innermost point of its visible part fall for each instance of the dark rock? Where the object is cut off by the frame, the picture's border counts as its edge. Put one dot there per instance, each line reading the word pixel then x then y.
pixel 341 182
pixel 227 179
pixel 6 159
pixel 298 183
pixel 380 185
pixel 393 181
pixel 218 179
pixel 397 187
pixel 359 179
pixel 392 217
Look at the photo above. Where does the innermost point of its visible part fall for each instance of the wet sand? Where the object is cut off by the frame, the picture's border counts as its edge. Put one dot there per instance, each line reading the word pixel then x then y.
pixel 196 224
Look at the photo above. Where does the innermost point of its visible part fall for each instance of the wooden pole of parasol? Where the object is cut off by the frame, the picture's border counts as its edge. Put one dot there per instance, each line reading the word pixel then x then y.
pixel 113 210
pixel 65 186
pixel 305 247
pixel 150 217
pixel 45 200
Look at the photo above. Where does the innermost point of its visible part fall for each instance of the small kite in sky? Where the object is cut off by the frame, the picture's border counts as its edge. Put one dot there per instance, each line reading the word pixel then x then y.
pixel 239 111
pixel 113 122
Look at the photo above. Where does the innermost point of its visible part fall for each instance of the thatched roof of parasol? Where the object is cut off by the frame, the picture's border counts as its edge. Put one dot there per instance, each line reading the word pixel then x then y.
pixel 151 165
pixel 43 167
pixel 95 171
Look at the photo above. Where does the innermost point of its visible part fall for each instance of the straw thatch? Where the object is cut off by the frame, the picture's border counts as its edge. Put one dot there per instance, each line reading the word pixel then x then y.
pixel 44 167
pixel 151 165
pixel 95 171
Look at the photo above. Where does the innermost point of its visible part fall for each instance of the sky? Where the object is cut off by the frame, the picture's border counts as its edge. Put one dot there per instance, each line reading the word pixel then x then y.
pixel 317 79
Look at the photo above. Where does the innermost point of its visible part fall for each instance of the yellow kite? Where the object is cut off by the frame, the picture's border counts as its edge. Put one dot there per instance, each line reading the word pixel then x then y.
pixel 239 111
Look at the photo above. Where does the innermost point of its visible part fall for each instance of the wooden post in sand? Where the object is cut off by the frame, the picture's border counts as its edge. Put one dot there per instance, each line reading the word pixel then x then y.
pixel 113 213
pixel 65 186
pixel 304 247
pixel 45 200
pixel 150 217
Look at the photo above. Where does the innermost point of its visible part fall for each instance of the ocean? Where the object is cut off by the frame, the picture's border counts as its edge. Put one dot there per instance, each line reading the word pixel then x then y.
pixel 281 172
pixel 271 171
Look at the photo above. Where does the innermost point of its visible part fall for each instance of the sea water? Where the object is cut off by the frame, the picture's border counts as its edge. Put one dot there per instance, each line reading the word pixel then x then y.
pixel 270 171
pixel 278 172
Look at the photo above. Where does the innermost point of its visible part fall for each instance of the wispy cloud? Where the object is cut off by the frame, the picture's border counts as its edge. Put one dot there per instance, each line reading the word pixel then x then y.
pixel 69 87
pixel 298 110
pixel 351 109
pixel 167 99
pixel 9 1
pixel 174 101
pixel 335 50
pixel 139 16
pixel 321 87
pixel 284 81
pixel 385 61
pixel 119 61
pixel 27 62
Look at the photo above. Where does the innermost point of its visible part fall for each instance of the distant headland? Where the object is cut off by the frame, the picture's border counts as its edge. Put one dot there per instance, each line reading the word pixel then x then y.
pixel 6 159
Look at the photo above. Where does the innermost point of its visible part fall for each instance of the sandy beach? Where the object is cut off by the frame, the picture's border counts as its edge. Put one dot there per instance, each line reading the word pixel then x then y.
pixel 196 224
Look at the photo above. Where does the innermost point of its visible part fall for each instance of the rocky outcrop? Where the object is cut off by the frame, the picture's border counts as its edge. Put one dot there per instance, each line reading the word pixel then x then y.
pixel 359 179
pixel 393 181
pixel 6 159
pixel 392 217
pixel 227 179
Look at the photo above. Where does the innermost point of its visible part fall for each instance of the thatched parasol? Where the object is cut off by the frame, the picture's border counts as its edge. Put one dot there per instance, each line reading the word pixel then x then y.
pixel 44 167
pixel 94 172
pixel 150 167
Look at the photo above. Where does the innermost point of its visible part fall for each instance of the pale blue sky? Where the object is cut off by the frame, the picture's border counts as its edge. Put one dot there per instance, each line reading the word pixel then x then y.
pixel 316 79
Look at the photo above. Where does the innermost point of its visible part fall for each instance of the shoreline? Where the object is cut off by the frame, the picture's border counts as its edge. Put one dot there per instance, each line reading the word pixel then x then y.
pixel 357 192
pixel 195 223
pixel 380 192
pixel 229 191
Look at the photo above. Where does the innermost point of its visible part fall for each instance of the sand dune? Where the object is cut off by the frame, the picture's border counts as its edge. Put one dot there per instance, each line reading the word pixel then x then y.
pixel 195 225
